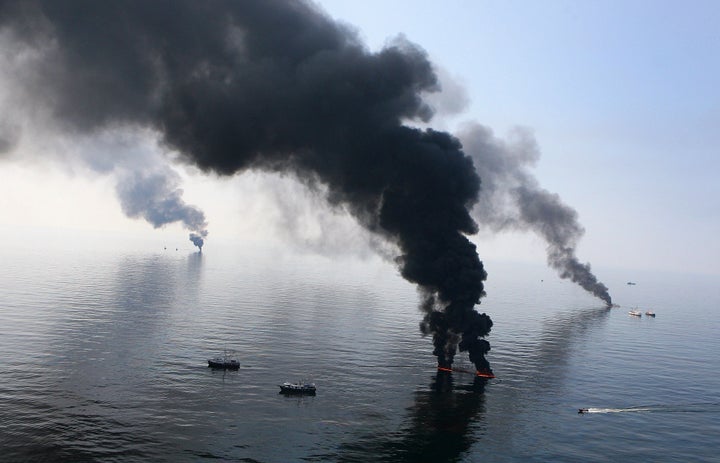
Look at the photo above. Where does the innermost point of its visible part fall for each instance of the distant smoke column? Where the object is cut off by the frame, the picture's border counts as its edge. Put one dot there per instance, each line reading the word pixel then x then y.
pixel 197 239
pixel 511 198
pixel 275 85
pixel 157 197
pixel 557 223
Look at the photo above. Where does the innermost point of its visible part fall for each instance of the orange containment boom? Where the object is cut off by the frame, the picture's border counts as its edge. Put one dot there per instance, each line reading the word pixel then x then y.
pixel 479 374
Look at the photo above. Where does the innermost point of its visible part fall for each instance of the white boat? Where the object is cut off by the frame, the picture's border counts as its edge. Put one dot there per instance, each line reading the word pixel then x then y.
pixel 227 361
pixel 297 388
pixel 635 313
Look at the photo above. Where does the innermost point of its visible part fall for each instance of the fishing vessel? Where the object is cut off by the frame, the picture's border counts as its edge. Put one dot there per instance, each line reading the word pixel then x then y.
pixel 227 361
pixel 299 387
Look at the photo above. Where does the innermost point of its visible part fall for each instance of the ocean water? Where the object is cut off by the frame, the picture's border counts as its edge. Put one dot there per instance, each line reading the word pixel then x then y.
pixel 104 349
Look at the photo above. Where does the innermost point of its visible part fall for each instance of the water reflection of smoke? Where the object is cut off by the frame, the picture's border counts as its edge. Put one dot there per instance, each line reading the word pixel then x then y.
pixel 446 420
pixel 557 342
pixel 443 423
pixel 539 371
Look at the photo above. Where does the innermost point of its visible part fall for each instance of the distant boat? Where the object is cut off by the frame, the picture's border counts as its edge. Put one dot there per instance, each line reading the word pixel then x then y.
pixel 226 362
pixel 635 313
pixel 297 388
pixel 630 283
pixel 650 313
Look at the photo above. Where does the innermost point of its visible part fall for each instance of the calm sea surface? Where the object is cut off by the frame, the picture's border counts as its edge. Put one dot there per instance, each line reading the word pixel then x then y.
pixel 103 357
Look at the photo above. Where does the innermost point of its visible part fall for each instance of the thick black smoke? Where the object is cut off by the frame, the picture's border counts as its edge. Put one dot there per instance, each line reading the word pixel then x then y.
pixel 277 86
pixel 198 239
pixel 512 198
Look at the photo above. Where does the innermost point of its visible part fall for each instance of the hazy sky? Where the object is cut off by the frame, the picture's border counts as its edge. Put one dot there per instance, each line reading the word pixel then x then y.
pixel 621 97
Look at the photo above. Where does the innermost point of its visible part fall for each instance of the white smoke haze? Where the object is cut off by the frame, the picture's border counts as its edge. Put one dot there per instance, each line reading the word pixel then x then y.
pixel 300 214
pixel 452 99
pixel 147 185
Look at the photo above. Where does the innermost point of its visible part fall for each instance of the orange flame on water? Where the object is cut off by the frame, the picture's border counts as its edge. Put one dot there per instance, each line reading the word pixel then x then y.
pixel 480 374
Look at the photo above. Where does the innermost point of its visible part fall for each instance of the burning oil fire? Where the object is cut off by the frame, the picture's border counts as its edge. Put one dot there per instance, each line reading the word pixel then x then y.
pixel 478 373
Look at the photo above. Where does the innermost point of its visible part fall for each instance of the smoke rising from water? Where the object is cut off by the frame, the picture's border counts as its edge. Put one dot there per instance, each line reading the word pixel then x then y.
pixel 512 199
pixel 277 86
pixel 33 79
pixel 157 198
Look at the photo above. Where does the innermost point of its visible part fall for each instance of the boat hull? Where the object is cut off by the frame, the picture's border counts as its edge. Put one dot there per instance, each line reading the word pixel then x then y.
pixel 215 364
pixel 297 390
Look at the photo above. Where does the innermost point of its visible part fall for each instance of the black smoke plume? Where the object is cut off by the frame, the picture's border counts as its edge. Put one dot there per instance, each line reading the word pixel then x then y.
pixel 512 199
pixel 277 86
pixel 198 239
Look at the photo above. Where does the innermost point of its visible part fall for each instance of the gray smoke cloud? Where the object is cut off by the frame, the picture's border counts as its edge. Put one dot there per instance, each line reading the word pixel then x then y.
pixel 198 239
pixel 157 198
pixel 146 185
pixel 8 137
pixel 511 198
pixel 31 72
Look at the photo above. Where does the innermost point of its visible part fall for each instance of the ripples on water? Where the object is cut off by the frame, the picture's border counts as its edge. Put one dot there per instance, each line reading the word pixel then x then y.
pixel 104 359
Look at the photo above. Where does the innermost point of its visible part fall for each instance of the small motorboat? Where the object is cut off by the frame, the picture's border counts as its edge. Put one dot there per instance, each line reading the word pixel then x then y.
pixel 635 313
pixel 300 387
pixel 583 410
pixel 227 361
pixel 650 313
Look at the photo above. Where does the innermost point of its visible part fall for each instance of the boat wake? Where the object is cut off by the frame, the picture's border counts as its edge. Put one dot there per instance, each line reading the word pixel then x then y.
pixel 613 410
pixel 687 408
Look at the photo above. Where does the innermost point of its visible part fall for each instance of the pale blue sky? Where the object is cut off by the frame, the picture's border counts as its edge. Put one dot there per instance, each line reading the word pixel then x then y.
pixel 621 96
